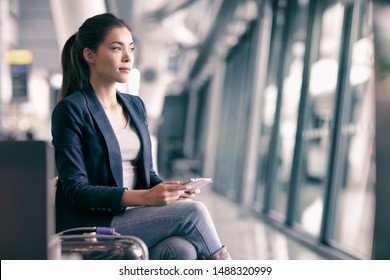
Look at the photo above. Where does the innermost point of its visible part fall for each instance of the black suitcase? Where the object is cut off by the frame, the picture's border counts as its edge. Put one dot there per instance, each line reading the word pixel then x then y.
pixel 100 243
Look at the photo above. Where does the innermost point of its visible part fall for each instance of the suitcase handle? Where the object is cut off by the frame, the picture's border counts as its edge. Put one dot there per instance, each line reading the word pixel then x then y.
pixel 97 230
pixel 106 231
pixel 102 243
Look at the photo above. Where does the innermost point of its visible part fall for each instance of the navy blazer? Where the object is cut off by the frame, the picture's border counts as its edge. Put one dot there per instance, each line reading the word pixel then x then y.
pixel 88 159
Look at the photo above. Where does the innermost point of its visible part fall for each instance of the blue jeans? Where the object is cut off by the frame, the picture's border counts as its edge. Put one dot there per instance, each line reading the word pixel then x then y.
pixel 180 230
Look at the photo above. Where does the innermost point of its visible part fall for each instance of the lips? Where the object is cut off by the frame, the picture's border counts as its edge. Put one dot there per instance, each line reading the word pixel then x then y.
pixel 125 69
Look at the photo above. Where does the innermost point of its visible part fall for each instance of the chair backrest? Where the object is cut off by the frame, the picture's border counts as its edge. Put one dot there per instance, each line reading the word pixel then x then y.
pixel 26 208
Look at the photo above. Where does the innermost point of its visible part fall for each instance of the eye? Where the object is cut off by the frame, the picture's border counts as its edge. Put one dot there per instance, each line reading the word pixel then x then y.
pixel 132 49
pixel 117 48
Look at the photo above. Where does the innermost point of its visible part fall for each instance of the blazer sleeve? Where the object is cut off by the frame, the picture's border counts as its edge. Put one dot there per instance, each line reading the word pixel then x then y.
pixel 71 126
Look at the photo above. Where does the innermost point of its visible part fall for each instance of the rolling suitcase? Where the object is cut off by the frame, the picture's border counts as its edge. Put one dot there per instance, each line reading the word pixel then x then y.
pixel 100 243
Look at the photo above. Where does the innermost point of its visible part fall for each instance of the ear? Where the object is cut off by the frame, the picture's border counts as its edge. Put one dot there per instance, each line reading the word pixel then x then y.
pixel 89 55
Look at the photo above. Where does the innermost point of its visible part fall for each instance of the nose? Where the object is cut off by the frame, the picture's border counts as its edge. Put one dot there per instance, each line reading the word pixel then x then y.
pixel 126 56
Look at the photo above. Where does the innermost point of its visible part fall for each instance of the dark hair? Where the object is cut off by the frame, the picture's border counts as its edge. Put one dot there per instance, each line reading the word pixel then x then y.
pixel 90 35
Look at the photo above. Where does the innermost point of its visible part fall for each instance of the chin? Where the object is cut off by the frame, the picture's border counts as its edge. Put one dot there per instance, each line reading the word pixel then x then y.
pixel 122 81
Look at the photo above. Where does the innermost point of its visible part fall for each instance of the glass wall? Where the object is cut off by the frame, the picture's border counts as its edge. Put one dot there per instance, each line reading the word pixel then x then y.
pixel 289 93
pixel 269 105
pixel 354 208
pixel 315 168
pixel 317 132
pixel 314 165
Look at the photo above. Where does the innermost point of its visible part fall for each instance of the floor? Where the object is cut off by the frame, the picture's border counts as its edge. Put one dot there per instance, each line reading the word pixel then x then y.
pixel 249 238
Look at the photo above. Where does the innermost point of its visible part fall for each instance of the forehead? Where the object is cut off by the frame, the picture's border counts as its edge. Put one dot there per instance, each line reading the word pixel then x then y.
pixel 120 35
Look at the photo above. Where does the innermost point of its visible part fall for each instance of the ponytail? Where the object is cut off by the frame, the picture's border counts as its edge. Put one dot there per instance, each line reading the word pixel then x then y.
pixel 75 70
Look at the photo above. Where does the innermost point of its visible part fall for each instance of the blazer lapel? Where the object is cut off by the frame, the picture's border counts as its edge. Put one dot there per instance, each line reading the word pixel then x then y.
pixel 105 127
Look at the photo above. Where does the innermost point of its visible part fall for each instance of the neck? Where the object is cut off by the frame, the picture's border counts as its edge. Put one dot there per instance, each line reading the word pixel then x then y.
pixel 106 94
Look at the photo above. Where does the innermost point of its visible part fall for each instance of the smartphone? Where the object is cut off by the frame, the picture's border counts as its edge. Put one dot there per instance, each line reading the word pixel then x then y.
pixel 196 183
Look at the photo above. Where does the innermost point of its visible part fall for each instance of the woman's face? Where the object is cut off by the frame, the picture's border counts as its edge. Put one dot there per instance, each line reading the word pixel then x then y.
pixel 114 58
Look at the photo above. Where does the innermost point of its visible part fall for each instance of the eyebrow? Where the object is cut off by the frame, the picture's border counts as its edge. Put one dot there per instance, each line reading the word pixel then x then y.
pixel 121 43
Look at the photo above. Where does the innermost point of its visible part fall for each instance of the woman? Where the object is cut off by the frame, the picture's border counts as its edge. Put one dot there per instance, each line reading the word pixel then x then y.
pixel 104 158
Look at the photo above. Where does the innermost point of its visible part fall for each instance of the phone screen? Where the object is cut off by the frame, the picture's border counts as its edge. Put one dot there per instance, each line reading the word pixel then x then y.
pixel 198 182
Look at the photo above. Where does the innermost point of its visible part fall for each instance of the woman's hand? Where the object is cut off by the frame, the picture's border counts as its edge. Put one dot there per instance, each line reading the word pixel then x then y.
pixel 161 194
pixel 188 195
pixel 168 192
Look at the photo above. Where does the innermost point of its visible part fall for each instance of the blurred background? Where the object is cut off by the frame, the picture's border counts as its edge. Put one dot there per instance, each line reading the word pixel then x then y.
pixel 284 103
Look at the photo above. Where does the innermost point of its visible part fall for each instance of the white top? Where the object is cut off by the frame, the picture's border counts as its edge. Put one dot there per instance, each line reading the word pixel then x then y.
pixel 130 146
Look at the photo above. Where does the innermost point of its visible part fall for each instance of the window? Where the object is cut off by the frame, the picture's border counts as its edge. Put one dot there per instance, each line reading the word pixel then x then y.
pixel 354 211
pixel 317 131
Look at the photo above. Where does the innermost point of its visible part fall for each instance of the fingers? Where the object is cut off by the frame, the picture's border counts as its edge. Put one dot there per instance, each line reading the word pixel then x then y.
pixel 193 191
pixel 171 191
pixel 175 186
pixel 168 192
